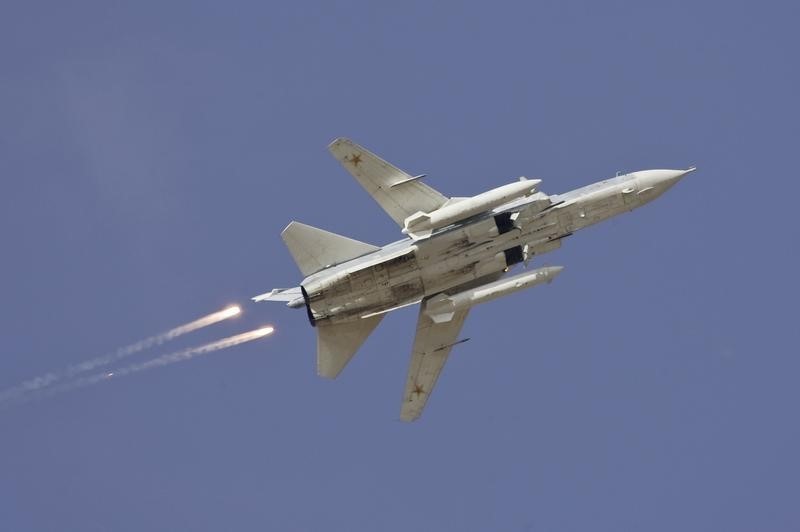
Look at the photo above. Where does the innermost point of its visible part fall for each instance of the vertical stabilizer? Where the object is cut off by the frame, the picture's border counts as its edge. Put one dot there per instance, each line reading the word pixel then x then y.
pixel 315 249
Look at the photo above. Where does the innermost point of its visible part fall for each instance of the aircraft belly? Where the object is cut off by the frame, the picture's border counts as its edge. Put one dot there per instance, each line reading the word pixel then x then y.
pixel 357 292
pixel 592 208
pixel 602 208
pixel 449 259
pixel 472 262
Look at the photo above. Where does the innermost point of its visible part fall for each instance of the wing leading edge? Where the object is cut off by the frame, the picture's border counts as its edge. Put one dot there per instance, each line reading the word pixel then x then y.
pixel 398 193
pixel 432 345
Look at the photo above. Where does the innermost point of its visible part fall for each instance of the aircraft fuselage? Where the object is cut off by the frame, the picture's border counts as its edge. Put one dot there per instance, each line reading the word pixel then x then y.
pixel 472 251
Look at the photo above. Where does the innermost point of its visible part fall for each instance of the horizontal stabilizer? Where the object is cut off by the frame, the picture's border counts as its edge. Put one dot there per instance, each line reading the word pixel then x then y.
pixel 338 342
pixel 316 249
pixel 289 295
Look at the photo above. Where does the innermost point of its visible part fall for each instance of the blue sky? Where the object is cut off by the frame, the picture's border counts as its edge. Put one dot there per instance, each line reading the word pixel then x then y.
pixel 151 153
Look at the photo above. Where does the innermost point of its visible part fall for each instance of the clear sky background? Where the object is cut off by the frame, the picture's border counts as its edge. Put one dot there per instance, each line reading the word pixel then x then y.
pixel 151 153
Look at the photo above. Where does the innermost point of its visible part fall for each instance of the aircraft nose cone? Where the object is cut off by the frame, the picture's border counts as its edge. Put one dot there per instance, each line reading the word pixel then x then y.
pixel 670 177
pixel 663 176
pixel 661 179
pixel 673 176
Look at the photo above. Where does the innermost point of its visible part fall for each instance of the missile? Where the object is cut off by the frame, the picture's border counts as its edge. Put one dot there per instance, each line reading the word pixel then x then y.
pixel 441 308
pixel 421 224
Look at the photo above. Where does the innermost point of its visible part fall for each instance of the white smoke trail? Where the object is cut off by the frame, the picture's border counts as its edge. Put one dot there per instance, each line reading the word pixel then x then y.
pixel 163 360
pixel 48 379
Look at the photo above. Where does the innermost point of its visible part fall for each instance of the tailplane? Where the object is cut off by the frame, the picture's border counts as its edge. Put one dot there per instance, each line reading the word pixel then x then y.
pixel 338 342
pixel 292 296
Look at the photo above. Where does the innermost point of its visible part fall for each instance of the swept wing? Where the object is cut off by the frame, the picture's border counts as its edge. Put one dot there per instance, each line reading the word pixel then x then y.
pixel 432 345
pixel 398 193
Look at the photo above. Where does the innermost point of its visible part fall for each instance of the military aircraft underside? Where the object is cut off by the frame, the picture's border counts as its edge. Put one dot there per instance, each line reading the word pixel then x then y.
pixel 456 254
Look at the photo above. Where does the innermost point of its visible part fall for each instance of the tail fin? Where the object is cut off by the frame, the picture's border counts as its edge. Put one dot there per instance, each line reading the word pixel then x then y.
pixel 315 249
pixel 338 342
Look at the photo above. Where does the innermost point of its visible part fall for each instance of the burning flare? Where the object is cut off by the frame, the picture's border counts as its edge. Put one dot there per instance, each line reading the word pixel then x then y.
pixel 163 360
pixel 48 379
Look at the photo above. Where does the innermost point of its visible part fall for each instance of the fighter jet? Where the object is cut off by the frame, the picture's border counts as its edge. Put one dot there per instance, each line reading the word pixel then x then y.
pixel 456 254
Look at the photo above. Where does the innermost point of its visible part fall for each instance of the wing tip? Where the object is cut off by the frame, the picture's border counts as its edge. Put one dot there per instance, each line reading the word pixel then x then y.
pixel 409 417
pixel 327 374
pixel 335 143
